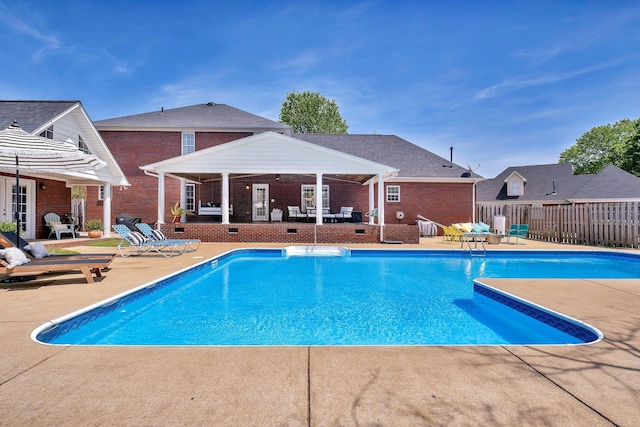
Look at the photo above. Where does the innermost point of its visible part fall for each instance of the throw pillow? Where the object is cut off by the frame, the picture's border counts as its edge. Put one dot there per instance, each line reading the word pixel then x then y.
pixel 14 257
pixel 37 249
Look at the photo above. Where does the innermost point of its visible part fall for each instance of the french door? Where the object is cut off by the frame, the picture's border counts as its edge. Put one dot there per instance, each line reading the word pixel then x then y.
pixel 27 204
pixel 260 202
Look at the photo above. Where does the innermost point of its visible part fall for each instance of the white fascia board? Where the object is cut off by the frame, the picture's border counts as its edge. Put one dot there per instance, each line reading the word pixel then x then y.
pixel 105 153
pixel 528 202
pixel 121 179
pixel 48 123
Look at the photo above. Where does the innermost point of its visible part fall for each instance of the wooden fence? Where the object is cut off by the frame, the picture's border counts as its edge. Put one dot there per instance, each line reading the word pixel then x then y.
pixel 597 224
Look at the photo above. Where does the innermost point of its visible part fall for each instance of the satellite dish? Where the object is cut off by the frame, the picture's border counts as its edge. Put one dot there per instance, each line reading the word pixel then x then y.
pixel 399 215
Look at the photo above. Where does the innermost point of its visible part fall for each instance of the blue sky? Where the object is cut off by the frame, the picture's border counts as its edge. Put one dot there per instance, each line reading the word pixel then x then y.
pixel 504 83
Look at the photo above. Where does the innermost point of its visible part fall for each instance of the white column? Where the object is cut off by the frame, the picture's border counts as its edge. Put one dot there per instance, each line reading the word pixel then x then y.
pixel 372 201
pixel 161 198
pixel 183 197
pixel 380 199
pixel 225 197
pixel 319 198
pixel 106 210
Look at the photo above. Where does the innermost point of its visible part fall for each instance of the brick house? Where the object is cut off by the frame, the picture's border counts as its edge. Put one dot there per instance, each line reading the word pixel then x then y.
pixel 48 191
pixel 214 155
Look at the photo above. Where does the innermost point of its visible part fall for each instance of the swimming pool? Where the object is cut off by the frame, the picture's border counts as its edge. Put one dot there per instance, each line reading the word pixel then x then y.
pixel 367 297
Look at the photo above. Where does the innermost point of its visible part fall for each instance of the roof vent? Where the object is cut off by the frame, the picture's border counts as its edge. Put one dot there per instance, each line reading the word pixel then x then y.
pixel 211 104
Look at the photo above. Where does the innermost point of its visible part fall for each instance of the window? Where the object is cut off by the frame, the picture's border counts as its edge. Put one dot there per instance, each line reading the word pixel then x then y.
pixel 101 192
pixel 48 133
pixel 309 196
pixel 514 188
pixel 82 146
pixel 188 142
pixel 190 195
pixel 393 193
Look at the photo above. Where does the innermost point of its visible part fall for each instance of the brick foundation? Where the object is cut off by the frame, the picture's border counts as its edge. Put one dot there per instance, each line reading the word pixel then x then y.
pixel 295 233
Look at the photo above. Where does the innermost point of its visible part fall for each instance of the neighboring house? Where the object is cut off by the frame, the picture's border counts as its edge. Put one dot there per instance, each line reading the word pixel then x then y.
pixel 51 192
pixel 223 157
pixel 558 206
pixel 555 184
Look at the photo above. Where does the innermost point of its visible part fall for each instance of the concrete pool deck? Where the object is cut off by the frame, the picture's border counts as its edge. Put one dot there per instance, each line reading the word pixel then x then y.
pixel 592 385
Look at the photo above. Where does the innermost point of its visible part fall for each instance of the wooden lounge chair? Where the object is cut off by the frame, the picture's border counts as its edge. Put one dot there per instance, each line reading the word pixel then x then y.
pixel 8 238
pixel 87 267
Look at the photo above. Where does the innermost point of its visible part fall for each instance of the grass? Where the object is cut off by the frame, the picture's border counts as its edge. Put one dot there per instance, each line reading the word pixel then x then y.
pixel 105 243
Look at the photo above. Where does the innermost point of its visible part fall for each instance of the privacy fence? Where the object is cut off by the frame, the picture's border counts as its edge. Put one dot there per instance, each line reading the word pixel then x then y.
pixel 597 224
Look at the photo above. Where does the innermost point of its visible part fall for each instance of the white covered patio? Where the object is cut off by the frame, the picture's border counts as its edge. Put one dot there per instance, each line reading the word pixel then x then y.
pixel 270 153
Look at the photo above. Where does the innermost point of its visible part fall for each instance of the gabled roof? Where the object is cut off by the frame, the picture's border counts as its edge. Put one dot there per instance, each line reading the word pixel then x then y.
pixel 610 183
pixel 269 153
pixel 515 173
pixel 72 119
pixel 556 183
pixel 31 115
pixel 411 160
pixel 201 117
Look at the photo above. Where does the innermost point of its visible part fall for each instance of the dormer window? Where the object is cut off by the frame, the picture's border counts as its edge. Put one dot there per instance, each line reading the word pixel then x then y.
pixel 47 133
pixel 515 185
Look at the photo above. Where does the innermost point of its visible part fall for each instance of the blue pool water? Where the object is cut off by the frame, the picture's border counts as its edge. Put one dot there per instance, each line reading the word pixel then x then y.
pixel 371 297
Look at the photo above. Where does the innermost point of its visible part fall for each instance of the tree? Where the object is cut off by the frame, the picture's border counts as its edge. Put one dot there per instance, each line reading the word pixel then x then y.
pixel 310 112
pixel 631 154
pixel 599 147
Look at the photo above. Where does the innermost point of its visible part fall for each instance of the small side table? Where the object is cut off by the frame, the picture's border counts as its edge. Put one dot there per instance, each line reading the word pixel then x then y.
pixel 276 215
pixel 493 239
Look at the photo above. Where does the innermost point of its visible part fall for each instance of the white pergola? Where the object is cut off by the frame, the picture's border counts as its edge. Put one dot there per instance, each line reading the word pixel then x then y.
pixel 270 153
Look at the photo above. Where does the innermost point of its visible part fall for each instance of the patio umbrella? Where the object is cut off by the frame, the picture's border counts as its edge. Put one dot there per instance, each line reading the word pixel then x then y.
pixel 19 150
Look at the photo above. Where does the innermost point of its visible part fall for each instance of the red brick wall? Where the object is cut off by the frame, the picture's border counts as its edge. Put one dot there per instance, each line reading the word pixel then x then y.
pixel 133 149
pixel 294 233
pixel 443 203
pixel 56 198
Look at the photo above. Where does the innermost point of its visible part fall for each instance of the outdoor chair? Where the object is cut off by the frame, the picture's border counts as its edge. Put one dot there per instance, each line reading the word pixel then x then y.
pixel 134 243
pixel 35 250
pixel 345 214
pixel 517 231
pixel 295 214
pixel 56 226
pixel 157 236
pixel 15 262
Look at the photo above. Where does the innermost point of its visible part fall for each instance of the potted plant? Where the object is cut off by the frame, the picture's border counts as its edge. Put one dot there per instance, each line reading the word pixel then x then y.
pixel 8 226
pixel 95 228
pixel 177 211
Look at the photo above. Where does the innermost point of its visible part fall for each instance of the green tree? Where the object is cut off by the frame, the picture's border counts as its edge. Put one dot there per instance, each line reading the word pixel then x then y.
pixel 631 154
pixel 310 112
pixel 599 147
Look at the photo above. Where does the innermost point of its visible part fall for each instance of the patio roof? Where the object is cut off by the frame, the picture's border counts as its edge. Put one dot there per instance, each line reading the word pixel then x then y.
pixel 269 153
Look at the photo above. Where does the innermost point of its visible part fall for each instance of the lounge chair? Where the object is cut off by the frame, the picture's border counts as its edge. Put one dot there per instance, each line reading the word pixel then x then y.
pixel 8 238
pixel 134 243
pixel 87 267
pixel 295 214
pixel 56 226
pixel 157 236
pixel 517 231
